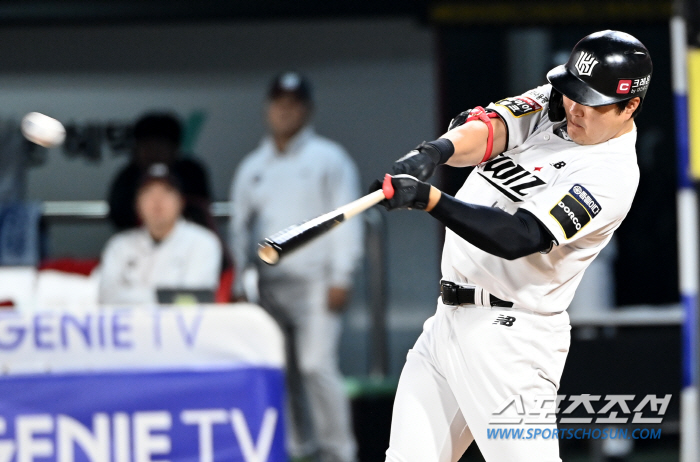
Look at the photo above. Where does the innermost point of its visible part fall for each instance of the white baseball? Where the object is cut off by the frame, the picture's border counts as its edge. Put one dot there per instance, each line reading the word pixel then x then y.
pixel 43 130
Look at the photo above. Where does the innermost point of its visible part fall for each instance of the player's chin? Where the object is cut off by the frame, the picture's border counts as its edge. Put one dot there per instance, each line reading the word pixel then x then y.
pixel 581 141
pixel 577 134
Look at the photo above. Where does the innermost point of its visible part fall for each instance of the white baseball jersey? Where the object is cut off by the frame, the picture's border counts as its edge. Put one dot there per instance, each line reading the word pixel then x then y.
pixel 273 190
pixel 133 265
pixel 579 193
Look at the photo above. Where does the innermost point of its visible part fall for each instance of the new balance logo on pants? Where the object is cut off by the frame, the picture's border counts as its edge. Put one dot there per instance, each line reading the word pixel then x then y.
pixel 504 320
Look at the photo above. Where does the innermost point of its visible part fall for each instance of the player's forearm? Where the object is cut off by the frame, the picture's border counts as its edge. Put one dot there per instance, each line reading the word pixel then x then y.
pixel 433 198
pixel 491 229
pixel 469 144
pixel 470 141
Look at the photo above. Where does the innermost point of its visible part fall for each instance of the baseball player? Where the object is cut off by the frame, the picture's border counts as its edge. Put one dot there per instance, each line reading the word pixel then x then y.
pixel 555 175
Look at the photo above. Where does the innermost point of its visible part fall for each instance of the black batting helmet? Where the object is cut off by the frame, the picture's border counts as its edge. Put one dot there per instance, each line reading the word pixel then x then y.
pixel 605 67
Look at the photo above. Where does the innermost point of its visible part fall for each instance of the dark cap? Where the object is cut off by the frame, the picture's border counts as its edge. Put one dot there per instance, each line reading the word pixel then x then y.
pixel 290 83
pixel 160 172
pixel 159 125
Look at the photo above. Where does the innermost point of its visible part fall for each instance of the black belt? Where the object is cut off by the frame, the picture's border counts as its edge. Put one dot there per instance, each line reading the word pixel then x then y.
pixel 452 294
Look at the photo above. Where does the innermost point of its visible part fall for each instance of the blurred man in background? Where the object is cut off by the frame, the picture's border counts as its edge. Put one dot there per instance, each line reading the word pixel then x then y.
pixel 166 252
pixel 294 175
pixel 20 220
pixel 157 138
pixel 17 155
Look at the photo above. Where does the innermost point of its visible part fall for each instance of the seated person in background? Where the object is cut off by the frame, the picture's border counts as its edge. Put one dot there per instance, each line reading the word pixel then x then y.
pixel 167 252
pixel 157 139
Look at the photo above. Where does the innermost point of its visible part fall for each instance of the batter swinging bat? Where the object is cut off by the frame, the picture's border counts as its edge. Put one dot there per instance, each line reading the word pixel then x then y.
pixel 280 244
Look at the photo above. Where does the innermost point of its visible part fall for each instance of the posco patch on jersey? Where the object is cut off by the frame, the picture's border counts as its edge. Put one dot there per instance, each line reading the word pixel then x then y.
pixel 575 210
pixel 520 105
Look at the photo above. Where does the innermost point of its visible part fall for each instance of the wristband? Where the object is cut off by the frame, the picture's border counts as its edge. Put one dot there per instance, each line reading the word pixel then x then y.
pixel 439 150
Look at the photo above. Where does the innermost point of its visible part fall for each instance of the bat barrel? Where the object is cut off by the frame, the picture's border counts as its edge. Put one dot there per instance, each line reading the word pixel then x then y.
pixel 268 253
pixel 272 248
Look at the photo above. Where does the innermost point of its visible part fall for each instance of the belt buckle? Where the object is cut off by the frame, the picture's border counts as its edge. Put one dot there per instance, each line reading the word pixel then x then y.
pixel 448 292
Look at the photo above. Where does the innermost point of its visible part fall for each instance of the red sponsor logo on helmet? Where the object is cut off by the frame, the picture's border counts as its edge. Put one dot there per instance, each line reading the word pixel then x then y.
pixel 624 86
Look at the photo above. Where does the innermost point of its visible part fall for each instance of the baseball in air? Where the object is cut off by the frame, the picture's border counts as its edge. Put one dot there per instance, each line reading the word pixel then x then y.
pixel 43 130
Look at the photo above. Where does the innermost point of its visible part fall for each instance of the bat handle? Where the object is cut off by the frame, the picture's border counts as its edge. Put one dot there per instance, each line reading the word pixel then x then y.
pixel 362 204
pixel 371 199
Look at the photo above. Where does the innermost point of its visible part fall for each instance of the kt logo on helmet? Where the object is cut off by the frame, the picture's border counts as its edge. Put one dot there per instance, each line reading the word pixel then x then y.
pixel 585 63
pixel 623 87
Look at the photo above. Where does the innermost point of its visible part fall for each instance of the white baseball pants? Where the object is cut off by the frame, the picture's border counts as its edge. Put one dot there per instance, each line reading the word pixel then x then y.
pixel 464 366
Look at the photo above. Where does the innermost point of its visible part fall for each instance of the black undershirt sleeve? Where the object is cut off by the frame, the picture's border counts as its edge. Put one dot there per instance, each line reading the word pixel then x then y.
pixel 493 230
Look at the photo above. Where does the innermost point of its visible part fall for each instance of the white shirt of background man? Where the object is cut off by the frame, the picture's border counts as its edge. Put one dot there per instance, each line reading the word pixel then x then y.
pixel 134 265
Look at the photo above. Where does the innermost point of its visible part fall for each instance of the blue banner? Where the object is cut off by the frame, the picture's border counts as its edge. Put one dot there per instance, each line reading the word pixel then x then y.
pixel 204 416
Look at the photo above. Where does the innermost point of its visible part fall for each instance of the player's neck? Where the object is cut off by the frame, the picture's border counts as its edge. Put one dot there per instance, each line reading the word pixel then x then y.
pixel 626 128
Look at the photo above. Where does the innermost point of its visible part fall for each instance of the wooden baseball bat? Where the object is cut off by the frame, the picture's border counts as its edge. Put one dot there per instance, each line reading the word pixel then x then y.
pixel 273 248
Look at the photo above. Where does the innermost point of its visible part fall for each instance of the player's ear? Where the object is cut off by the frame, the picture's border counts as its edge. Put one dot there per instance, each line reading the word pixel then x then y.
pixel 632 106
pixel 556 106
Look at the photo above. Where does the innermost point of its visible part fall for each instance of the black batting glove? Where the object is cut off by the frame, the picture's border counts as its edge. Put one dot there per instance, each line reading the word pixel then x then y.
pixel 419 163
pixel 422 161
pixel 409 193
